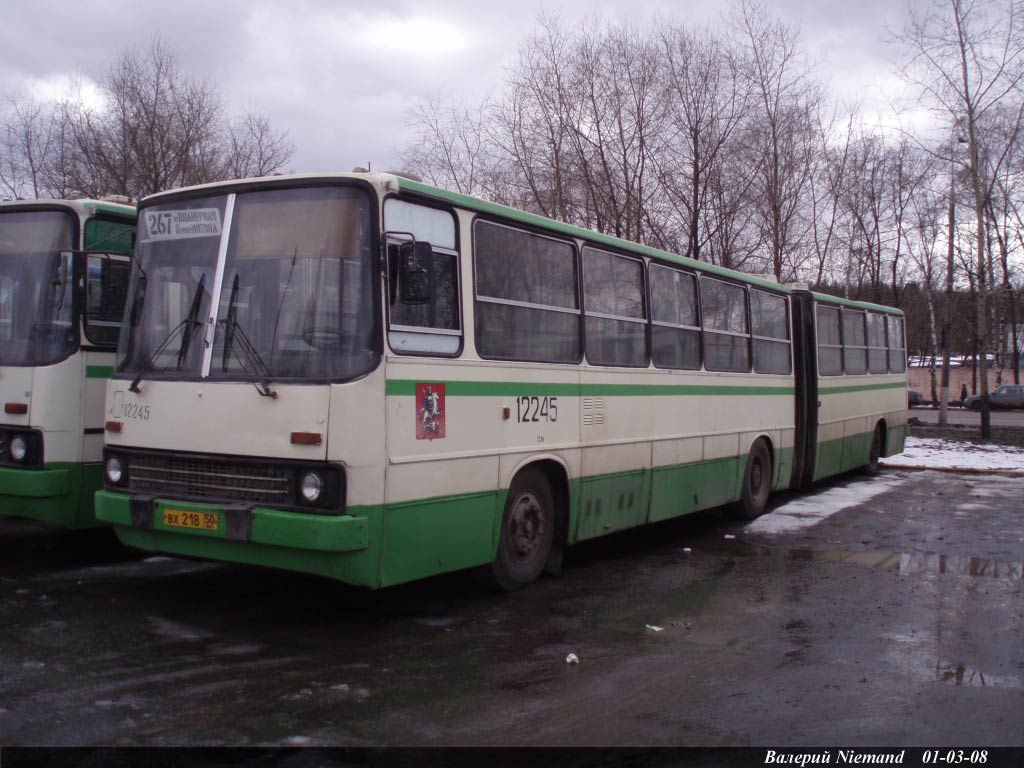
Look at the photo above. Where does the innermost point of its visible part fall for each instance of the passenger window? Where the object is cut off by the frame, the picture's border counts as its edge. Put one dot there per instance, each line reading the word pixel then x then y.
pixel 675 331
pixel 527 299
pixel 830 347
pixel 109 236
pixel 106 290
pixel 433 326
pixel 726 330
pixel 855 351
pixel 613 294
pixel 897 348
pixel 770 320
pixel 877 350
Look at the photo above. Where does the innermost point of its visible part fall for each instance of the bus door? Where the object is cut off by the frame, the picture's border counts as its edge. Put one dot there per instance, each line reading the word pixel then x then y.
pixel 806 381
pixel 106 287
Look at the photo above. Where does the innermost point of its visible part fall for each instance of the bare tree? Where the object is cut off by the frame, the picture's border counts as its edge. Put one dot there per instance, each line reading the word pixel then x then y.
pixel 783 145
pixel 705 105
pixel 156 127
pixel 450 149
pixel 160 128
pixel 966 58
pixel 32 136
pixel 254 148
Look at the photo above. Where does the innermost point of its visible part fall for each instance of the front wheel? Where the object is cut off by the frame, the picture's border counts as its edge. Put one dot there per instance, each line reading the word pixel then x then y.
pixel 527 533
pixel 757 481
pixel 975 405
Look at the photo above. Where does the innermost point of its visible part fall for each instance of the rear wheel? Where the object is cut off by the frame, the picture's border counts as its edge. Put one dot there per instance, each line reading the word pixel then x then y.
pixel 875 451
pixel 757 481
pixel 527 532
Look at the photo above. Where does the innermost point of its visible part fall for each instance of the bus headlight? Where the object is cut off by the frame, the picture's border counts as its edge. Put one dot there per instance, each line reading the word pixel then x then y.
pixel 311 487
pixel 115 470
pixel 19 448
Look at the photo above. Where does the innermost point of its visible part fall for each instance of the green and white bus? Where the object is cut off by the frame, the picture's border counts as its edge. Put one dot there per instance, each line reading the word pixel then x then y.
pixel 64 267
pixel 371 379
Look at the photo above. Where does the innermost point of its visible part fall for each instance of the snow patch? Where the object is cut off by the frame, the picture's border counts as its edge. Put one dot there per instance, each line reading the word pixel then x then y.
pixel 810 510
pixel 936 453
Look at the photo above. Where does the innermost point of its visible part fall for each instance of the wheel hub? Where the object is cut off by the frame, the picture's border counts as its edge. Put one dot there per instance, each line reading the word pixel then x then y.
pixel 756 477
pixel 526 525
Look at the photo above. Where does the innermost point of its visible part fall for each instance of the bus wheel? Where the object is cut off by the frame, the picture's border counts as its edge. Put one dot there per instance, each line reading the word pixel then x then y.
pixel 527 532
pixel 757 483
pixel 875 452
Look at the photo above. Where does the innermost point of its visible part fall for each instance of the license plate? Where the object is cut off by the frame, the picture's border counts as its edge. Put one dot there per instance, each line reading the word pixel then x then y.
pixel 202 521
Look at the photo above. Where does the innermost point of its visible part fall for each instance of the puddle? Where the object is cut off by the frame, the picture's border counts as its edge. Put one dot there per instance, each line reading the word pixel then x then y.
pixel 962 675
pixel 916 563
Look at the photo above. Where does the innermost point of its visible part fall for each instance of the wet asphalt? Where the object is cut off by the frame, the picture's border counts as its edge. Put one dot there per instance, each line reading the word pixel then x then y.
pixel 897 621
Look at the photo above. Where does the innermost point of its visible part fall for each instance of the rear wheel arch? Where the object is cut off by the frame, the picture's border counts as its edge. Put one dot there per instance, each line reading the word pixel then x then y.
pixel 878 447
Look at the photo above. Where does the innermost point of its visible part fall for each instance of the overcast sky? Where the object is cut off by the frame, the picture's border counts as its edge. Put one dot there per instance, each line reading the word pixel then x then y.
pixel 339 76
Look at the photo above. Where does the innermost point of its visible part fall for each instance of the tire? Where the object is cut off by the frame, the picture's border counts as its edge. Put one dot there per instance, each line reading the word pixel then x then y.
pixel 976 405
pixel 875 451
pixel 527 533
pixel 757 483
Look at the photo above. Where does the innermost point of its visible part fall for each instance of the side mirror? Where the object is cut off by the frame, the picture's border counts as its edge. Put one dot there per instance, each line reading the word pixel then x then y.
pixel 416 272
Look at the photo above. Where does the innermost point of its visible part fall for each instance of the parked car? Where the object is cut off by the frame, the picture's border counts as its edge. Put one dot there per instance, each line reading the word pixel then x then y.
pixel 1006 396
pixel 914 398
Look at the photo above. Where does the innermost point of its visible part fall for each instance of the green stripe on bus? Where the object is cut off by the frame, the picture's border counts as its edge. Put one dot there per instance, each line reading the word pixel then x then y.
pixel 861 388
pixel 400 387
pixel 99 371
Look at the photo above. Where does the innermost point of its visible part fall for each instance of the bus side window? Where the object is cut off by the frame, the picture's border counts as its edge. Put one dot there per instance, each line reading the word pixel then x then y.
pixel 830 345
pixel 434 326
pixel 675 320
pixel 527 300
pixel 770 321
pixel 897 349
pixel 106 289
pixel 877 347
pixel 855 344
pixel 726 329
pixel 616 318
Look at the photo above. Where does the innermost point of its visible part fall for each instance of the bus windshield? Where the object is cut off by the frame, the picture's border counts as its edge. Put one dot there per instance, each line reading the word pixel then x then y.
pixel 37 319
pixel 294 271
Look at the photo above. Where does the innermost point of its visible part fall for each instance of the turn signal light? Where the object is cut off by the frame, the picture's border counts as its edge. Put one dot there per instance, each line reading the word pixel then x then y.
pixel 306 438
pixel 17 409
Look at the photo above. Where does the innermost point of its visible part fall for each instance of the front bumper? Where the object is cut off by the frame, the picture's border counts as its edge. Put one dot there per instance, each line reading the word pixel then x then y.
pixel 34 483
pixel 251 525
pixel 57 494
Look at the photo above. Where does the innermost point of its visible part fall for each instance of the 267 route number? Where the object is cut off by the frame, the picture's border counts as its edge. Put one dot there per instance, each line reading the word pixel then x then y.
pixel 536 409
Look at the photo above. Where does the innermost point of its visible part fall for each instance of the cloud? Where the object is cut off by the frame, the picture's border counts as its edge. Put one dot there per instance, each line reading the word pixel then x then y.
pixel 340 75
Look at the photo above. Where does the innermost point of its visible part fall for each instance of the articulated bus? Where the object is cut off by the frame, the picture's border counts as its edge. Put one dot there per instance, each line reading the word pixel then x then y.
pixel 64 268
pixel 371 379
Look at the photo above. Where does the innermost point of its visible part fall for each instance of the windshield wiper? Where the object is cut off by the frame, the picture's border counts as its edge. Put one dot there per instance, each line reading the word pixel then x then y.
pixel 231 329
pixel 192 319
pixel 188 325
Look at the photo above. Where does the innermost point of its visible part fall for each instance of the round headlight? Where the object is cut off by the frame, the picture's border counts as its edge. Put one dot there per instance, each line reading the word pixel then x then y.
pixel 19 448
pixel 312 486
pixel 115 471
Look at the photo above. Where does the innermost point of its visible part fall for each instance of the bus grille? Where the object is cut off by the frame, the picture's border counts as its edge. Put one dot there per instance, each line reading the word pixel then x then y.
pixel 204 479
